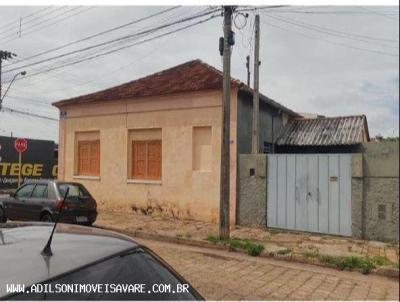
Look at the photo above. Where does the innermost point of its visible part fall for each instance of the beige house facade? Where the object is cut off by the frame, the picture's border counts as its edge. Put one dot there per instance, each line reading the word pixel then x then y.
pixel 153 143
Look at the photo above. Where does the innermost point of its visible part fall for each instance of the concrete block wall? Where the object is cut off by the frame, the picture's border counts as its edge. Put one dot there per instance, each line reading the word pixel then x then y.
pixel 381 191
pixel 252 190
pixel 374 188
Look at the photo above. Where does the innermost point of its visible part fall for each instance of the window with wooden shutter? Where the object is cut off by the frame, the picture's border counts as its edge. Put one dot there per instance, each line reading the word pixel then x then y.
pixel 146 159
pixel 89 158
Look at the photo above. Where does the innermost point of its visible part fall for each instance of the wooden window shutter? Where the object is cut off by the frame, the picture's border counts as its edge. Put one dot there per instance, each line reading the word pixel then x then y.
pixel 154 159
pixel 89 158
pixel 146 159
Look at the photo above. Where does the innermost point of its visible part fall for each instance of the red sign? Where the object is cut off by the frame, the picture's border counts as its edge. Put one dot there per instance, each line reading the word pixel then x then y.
pixel 20 144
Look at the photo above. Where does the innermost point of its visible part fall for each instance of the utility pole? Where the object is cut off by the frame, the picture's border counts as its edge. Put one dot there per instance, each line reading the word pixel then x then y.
pixel 248 70
pixel 256 95
pixel 228 41
pixel 4 55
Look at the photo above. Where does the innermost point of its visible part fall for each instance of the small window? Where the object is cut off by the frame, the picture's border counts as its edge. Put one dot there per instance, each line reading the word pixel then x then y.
pixel 146 159
pixel 202 148
pixel 25 191
pixel 89 158
pixel 40 191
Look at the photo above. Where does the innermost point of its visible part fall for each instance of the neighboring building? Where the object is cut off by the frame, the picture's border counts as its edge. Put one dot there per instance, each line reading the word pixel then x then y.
pixel 38 161
pixel 344 134
pixel 156 141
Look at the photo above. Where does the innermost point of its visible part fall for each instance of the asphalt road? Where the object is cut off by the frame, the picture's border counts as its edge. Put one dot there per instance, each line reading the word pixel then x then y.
pixel 223 275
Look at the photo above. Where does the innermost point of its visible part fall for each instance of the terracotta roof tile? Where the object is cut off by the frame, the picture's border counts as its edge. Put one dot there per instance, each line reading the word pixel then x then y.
pixel 190 76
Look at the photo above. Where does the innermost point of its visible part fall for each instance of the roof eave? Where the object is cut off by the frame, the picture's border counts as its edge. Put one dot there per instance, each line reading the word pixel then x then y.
pixel 269 101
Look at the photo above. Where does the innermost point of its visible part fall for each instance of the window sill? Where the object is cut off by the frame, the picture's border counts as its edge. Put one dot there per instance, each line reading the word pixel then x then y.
pixel 144 181
pixel 86 177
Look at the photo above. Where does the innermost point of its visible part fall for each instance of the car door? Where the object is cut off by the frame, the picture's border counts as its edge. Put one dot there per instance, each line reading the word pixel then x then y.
pixel 36 202
pixel 16 208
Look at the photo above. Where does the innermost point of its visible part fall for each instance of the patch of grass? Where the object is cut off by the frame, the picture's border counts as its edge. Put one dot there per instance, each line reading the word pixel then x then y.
pixel 285 251
pixel 311 254
pixel 234 244
pixel 213 239
pixel 381 260
pixel 364 264
pixel 188 235
pixel 179 236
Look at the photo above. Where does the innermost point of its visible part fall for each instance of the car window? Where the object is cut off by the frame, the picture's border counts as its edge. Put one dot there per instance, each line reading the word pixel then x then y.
pixel 40 191
pixel 75 190
pixel 25 191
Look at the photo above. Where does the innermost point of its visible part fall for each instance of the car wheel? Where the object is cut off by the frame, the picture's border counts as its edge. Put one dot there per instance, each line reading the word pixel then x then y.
pixel 46 217
pixel 3 217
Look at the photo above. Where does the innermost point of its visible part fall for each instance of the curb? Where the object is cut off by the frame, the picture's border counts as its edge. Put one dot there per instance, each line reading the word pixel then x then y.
pixel 380 271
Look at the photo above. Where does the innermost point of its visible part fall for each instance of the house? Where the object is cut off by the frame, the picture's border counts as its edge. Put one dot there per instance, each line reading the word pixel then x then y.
pixel 343 134
pixel 155 142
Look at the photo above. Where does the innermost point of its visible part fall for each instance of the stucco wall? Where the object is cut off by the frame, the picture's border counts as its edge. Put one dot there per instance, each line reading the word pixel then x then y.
pixel 182 191
pixel 252 201
pixel 375 192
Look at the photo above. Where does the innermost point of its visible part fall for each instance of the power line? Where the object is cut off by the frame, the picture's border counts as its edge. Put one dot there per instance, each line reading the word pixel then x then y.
pixel 96 35
pixel 12 110
pixel 55 22
pixel 329 41
pixel 333 32
pixel 127 37
pixel 121 48
pixel 380 14
pixel 12 23
pixel 386 13
pixel 174 15
pixel 30 21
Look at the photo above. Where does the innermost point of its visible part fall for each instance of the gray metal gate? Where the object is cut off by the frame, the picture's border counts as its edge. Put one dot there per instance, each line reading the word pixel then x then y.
pixel 310 192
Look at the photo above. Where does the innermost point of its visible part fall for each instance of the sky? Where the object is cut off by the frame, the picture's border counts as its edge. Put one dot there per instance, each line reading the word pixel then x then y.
pixel 331 60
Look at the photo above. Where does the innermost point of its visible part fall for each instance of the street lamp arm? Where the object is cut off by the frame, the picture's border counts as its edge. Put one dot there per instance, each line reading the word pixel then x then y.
pixel 9 85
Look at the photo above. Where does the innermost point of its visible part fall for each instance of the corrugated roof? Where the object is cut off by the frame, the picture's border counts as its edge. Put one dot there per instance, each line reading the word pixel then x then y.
pixel 343 130
pixel 191 76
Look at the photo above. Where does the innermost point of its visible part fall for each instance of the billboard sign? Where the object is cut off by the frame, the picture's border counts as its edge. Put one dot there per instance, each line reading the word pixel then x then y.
pixel 38 160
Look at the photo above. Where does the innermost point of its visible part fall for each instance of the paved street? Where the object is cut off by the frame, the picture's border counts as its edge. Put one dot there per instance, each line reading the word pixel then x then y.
pixel 231 276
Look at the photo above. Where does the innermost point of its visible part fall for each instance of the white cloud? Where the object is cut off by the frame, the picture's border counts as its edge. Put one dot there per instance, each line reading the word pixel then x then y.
pixel 301 68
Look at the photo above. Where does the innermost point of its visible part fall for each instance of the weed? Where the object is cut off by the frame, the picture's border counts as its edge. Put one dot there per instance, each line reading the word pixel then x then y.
pixel 234 244
pixel 311 254
pixel 364 264
pixel 381 260
pixel 188 235
pixel 213 239
pixel 284 252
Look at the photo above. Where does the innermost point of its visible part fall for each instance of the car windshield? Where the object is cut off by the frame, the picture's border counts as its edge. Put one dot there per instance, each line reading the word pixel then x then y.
pixel 75 190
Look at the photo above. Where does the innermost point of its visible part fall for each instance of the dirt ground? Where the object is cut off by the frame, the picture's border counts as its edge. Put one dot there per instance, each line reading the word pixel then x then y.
pixel 273 240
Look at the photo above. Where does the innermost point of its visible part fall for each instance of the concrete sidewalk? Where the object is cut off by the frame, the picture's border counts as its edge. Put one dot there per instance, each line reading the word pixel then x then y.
pixel 300 247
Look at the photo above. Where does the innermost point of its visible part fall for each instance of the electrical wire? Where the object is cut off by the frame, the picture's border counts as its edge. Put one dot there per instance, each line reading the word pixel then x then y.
pixel 329 41
pixel 95 35
pixel 110 41
pixel 13 32
pixel 333 32
pixel 123 47
pixel 26 113
pixel 16 24
pixel 58 20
